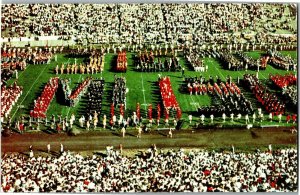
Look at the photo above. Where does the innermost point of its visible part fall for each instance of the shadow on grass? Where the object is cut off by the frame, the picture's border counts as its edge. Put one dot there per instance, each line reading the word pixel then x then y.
pixel 100 154
pixel 25 154
pixel 49 131
pixel 254 135
pixel 161 133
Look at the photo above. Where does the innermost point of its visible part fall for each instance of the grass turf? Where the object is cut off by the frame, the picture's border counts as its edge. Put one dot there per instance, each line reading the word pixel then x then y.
pixel 143 87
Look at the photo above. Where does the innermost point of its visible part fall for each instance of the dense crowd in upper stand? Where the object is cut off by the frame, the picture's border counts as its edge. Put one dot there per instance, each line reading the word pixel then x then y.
pixel 95 96
pixel 9 96
pixel 150 23
pixel 141 23
pixel 280 61
pixel 155 171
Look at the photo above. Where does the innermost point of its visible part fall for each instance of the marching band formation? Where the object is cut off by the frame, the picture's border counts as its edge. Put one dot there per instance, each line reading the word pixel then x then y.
pixel 269 100
pixel 9 97
pixel 168 98
pixel 121 62
pixel 153 62
pixel 225 32
pixel 280 61
pixel 95 96
pixel 42 103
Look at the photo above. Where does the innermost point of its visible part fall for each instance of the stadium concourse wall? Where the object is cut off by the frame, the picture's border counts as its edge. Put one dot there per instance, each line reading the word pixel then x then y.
pixel 41 41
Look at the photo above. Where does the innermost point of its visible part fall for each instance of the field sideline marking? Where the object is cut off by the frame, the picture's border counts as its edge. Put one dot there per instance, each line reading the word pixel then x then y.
pixel 29 91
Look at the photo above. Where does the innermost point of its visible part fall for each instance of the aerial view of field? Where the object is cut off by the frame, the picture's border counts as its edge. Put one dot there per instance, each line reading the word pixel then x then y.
pixel 141 84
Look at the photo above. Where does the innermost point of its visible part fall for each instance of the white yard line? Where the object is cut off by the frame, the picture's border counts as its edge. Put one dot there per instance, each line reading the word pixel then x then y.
pixel 194 103
pixel 29 91
pixel 262 75
pixel 216 69
pixel 23 71
pixel 143 89
pixel 241 75
pixel 274 69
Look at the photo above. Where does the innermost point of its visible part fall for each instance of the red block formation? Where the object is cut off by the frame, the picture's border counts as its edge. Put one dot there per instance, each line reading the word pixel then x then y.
pixel 284 81
pixel 80 88
pixel 43 102
pixel 168 96
pixel 121 62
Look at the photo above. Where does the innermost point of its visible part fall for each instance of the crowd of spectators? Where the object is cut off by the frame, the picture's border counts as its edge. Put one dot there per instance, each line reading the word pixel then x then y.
pixel 43 102
pixel 153 171
pixel 152 23
pixel 9 96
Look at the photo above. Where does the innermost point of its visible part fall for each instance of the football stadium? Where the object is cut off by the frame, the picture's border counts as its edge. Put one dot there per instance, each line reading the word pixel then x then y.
pixel 149 97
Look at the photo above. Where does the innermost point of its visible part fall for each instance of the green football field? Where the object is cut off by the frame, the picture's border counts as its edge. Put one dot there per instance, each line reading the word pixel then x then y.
pixel 143 87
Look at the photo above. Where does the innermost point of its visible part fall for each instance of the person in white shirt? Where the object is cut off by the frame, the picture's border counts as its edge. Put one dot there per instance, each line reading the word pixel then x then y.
pixel 190 118
pixel 247 118
pixel 211 118
pixel 202 118
pixel 224 117
pixel 254 117
pixel 123 131
pixel 279 117
pixel 48 147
